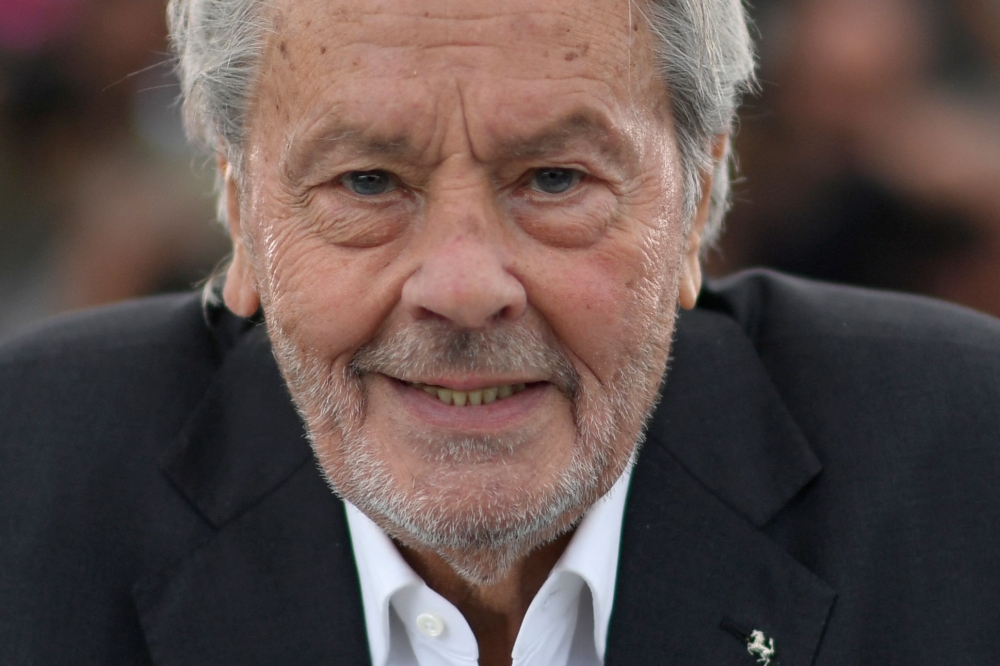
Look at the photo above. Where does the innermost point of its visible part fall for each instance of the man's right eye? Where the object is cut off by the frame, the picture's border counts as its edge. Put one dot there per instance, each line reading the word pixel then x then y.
pixel 368 183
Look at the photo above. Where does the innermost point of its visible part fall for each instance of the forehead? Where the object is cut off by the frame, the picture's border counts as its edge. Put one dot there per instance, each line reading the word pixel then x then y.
pixel 401 64
pixel 428 25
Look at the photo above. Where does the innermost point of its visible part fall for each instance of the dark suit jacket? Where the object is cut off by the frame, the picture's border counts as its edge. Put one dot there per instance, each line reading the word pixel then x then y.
pixel 824 467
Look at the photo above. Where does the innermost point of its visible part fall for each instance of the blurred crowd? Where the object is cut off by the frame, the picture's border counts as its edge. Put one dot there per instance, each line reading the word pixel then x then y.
pixel 100 197
pixel 871 154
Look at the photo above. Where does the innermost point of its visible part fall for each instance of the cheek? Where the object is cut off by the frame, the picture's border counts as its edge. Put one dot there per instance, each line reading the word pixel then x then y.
pixel 602 304
pixel 330 299
pixel 577 225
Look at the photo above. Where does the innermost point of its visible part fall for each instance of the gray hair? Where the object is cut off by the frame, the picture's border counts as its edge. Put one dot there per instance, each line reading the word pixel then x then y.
pixel 704 53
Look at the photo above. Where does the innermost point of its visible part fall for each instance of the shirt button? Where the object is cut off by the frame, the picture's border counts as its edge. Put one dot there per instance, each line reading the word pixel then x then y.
pixel 430 625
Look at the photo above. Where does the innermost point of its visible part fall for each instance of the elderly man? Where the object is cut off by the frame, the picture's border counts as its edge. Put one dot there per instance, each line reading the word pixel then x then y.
pixel 464 231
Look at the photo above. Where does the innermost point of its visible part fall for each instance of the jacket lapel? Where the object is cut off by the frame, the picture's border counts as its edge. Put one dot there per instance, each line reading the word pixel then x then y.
pixel 276 583
pixel 722 457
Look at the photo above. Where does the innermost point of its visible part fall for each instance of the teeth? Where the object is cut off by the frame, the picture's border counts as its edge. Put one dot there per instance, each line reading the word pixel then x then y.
pixel 472 398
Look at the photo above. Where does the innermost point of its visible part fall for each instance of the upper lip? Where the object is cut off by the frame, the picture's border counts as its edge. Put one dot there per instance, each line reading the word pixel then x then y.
pixel 469 383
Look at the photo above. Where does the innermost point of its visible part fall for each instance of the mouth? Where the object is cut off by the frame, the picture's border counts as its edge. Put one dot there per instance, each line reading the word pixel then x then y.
pixel 474 398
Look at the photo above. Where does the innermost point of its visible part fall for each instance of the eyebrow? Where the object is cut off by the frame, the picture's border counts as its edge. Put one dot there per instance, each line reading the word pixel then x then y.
pixel 303 153
pixel 586 126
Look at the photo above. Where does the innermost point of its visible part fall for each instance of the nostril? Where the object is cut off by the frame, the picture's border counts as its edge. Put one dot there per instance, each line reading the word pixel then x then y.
pixel 471 290
pixel 506 312
pixel 426 314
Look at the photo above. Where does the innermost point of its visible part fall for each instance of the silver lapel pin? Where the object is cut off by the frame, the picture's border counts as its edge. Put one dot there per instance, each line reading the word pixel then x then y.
pixel 761 647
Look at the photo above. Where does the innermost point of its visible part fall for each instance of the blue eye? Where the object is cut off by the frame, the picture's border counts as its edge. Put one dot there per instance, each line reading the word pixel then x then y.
pixel 553 180
pixel 368 183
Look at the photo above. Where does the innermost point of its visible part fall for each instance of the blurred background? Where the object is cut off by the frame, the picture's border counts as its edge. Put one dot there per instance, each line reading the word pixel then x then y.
pixel 871 155
pixel 100 197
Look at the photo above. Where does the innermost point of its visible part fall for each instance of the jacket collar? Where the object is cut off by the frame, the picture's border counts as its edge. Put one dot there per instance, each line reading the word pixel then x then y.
pixel 276 581
pixel 722 457
pixel 721 418
pixel 243 439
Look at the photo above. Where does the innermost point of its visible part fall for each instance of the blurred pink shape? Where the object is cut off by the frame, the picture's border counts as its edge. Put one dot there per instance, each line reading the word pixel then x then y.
pixel 29 25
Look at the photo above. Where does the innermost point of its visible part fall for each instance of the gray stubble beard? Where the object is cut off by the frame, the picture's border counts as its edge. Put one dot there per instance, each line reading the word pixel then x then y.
pixel 483 539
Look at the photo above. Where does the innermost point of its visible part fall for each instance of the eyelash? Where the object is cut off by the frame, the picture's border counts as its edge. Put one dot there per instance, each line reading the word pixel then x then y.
pixel 396 184
pixel 577 176
pixel 393 182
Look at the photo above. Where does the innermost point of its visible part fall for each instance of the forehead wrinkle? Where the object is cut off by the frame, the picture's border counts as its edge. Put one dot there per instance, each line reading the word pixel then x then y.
pixel 583 125
pixel 537 20
pixel 336 137
pixel 354 140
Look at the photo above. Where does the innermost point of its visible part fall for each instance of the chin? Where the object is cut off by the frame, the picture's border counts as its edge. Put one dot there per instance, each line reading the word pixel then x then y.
pixel 480 502
pixel 466 510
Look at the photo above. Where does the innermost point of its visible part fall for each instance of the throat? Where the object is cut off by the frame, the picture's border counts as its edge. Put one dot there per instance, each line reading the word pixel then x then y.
pixel 496 610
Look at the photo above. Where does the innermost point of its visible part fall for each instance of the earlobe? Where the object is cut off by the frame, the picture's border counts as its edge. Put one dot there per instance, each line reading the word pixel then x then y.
pixel 240 291
pixel 690 279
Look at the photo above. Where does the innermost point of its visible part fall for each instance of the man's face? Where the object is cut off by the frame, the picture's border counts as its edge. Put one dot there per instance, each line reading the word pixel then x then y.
pixel 464 223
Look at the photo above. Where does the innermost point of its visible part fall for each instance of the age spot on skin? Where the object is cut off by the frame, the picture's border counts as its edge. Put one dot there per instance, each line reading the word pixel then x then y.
pixel 322 50
pixel 283 47
pixel 571 56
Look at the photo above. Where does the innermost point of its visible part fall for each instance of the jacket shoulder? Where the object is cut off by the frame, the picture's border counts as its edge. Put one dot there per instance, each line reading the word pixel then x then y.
pixel 899 399
pixel 91 402
pixel 873 372
pixel 116 375
pixel 175 320
pixel 774 308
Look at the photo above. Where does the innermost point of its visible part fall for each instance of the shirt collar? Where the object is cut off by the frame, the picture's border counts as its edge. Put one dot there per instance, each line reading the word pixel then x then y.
pixel 592 554
pixel 382 572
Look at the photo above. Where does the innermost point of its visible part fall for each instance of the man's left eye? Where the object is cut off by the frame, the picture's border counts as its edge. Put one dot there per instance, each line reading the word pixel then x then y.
pixel 369 183
pixel 554 180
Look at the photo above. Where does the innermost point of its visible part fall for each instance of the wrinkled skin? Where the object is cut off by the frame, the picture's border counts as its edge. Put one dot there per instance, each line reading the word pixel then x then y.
pixel 462 104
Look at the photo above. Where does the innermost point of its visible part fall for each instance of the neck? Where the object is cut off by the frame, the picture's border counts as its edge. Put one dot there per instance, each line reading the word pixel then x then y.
pixel 495 611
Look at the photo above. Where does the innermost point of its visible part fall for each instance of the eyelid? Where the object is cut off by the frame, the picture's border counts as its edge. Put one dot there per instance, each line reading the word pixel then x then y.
pixel 579 176
pixel 395 183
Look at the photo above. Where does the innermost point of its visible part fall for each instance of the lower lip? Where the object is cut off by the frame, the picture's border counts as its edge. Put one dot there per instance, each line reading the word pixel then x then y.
pixel 502 414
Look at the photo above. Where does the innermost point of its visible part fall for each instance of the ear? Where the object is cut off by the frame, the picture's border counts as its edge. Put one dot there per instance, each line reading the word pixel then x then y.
pixel 240 291
pixel 690 278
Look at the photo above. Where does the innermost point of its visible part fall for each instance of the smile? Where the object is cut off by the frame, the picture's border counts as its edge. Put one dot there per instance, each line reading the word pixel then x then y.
pixel 483 396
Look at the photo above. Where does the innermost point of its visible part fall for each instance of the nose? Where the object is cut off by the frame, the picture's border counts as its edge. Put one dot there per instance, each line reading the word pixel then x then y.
pixel 465 281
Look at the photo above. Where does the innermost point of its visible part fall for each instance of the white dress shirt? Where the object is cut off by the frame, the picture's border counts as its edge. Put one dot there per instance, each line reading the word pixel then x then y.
pixel 409 624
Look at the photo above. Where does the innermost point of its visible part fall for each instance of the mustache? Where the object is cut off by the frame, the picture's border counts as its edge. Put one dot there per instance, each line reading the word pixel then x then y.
pixel 436 347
